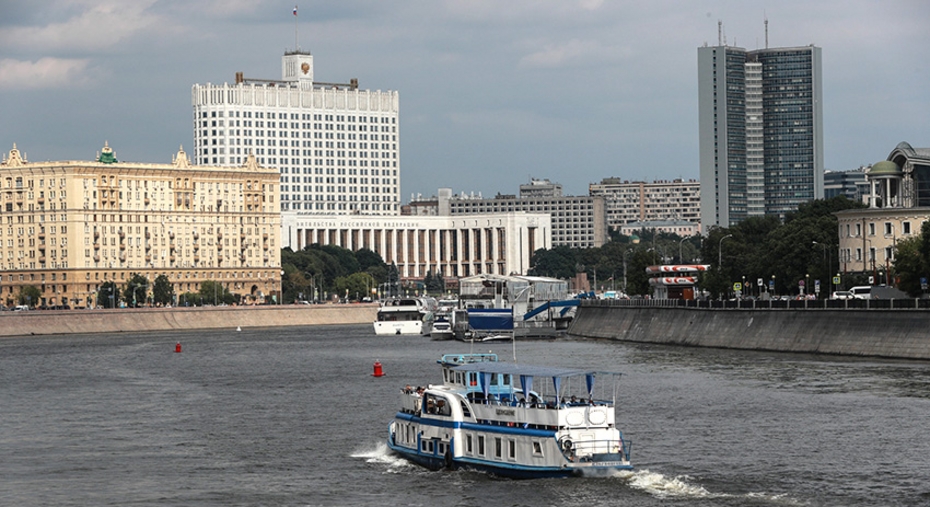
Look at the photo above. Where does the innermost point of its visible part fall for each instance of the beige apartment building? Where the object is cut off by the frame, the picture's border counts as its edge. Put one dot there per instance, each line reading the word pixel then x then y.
pixel 70 226
pixel 639 201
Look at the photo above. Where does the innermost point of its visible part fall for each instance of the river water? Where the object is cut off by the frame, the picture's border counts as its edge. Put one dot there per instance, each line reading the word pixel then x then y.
pixel 293 417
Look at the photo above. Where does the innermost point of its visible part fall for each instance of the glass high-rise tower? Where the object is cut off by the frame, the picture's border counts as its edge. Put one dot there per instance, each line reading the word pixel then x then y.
pixel 761 131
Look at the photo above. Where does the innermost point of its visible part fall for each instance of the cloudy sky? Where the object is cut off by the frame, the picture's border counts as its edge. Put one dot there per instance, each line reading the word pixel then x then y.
pixel 492 93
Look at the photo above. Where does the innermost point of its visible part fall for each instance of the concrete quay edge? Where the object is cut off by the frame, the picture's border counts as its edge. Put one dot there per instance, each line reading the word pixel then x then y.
pixel 63 322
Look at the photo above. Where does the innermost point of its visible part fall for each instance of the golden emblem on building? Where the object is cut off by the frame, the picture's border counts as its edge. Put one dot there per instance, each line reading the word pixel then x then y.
pixel 305 67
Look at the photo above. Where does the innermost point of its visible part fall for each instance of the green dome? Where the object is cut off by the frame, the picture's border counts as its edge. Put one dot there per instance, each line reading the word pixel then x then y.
pixel 885 168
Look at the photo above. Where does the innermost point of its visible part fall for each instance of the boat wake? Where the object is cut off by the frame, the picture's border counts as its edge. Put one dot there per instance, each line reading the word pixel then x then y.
pixel 661 486
pixel 381 455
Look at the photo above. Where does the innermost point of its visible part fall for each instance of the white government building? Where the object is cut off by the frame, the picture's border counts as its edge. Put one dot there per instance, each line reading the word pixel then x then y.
pixel 460 246
pixel 335 146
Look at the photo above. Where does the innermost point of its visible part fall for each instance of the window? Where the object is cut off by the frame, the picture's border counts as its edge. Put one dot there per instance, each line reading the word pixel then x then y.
pixel 480 445
pixel 906 226
pixel 871 228
pixel 468 444
pixel 888 229
pixel 512 449
pixel 498 448
pixel 537 448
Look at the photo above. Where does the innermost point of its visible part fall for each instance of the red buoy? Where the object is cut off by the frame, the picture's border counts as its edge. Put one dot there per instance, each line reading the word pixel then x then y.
pixel 378 371
pixel 177 348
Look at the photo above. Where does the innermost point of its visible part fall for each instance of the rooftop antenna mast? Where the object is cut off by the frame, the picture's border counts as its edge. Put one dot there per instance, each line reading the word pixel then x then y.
pixel 766 30
pixel 719 32
pixel 296 44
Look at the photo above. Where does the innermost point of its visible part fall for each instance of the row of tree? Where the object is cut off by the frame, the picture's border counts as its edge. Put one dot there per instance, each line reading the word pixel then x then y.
pixel 323 272
pixel 784 254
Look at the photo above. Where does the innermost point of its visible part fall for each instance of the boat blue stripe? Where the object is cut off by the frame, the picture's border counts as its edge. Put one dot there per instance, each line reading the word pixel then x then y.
pixel 507 430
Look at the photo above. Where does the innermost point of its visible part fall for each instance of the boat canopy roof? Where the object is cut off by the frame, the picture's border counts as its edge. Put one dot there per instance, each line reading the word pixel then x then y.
pixel 528 370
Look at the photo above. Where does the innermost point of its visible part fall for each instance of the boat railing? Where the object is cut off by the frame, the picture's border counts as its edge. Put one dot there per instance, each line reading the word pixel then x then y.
pixel 596 450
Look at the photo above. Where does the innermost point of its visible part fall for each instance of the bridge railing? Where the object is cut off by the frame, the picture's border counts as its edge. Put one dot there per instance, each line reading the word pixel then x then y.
pixel 772 304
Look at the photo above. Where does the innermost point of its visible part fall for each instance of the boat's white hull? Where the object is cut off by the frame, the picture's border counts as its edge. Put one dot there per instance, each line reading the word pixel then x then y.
pixel 552 462
pixel 387 327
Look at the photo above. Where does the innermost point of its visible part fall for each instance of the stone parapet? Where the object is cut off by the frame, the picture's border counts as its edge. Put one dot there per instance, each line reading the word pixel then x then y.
pixel 53 322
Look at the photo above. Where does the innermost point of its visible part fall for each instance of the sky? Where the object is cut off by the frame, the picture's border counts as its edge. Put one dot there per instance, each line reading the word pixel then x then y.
pixel 492 93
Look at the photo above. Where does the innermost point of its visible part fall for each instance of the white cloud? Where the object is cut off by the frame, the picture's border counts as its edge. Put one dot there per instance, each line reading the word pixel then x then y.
pixel 44 73
pixel 98 26
pixel 572 52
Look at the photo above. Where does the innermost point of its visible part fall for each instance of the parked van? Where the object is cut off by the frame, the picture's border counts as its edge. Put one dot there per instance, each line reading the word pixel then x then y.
pixel 862 292
pixel 21 308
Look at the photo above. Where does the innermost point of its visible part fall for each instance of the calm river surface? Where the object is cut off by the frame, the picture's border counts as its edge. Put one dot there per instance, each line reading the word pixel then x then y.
pixel 293 417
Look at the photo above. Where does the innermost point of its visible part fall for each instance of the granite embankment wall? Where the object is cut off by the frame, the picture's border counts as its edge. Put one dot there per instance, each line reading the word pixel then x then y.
pixel 53 322
pixel 861 332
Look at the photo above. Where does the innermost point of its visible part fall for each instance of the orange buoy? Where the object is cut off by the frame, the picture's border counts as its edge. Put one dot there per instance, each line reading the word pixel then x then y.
pixel 378 371
pixel 177 348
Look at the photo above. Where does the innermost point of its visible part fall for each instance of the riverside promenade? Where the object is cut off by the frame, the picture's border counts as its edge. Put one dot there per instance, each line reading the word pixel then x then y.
pixel 882 328
pixel 57 322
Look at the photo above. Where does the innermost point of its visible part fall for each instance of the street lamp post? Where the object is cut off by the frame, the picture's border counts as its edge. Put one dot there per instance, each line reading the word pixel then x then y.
pixel 720 250
pixel 681 260
pixel 824 246
pixel 625 293
pixel 872 259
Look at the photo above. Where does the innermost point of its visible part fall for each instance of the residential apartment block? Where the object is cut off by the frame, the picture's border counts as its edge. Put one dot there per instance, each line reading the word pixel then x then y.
pixel 70 226
pixel 639 201
pixel 577 221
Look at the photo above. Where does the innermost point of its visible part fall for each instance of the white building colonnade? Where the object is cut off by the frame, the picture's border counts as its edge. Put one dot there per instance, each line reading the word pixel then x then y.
pixel 499 243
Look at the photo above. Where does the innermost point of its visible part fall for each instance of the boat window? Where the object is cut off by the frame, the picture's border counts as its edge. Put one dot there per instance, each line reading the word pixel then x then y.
pixel 468 447
pixel 465 411
pixel 498 448
pixel 437 405
pixel 493 379
pixel 480 445
pixel 506 377
pixel 512 449
pixel 537 448
pixel 473 378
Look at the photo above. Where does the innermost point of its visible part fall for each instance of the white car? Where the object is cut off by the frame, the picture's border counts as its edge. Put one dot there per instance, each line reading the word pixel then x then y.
pixel 842 294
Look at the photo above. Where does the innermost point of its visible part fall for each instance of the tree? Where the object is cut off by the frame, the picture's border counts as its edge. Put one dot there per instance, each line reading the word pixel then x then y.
pixel 162 291
pixel 355 286
pixel 136 292
pixel 29 296
pixel 559 262
pixel 214 293
pixel 367 259
pixel 910 265
pixel 108 295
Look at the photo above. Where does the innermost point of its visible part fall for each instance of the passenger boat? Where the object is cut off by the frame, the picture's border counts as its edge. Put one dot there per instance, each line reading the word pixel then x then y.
pixel 441 329
pixel 405 316
pixel 479 418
